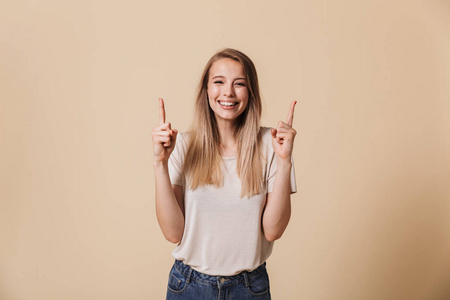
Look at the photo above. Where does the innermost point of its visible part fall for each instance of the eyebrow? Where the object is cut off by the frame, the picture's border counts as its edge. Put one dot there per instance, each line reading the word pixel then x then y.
pixel 224 77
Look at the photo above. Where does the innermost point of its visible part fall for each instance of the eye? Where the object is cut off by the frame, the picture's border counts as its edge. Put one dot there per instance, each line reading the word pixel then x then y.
pixel 218 82
pixel 240 83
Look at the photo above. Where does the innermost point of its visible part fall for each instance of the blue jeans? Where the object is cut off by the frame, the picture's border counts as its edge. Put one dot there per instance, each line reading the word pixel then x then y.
pixel 187 284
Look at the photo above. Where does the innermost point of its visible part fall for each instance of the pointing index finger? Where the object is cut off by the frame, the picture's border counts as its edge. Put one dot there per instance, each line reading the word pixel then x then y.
pixel 162 112
pixel 290 116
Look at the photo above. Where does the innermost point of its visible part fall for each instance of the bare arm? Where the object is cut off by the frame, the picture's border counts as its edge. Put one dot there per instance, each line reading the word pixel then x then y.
pixel 169 200
pixel 277 211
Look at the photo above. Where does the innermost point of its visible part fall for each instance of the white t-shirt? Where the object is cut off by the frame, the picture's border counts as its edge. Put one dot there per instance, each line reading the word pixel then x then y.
pixel 223 232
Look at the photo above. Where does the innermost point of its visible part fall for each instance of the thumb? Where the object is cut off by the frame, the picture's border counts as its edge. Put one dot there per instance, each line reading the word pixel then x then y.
pixel 273 132
pixel 175 132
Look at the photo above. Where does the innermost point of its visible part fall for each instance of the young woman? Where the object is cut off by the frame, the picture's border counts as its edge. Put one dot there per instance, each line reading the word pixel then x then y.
pixel 223 188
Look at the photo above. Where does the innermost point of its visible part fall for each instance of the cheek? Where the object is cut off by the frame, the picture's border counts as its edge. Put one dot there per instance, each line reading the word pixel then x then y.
pixel 213 91
pixel 243 94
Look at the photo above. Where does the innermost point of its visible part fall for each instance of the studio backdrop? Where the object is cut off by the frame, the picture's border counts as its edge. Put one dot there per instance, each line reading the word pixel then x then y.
pixel 79 89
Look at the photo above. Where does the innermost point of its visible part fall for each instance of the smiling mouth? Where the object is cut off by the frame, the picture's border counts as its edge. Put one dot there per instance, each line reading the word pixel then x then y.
pixel 228 103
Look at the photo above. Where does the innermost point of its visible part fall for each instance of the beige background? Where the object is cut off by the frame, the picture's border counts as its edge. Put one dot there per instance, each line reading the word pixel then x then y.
pixel 79 83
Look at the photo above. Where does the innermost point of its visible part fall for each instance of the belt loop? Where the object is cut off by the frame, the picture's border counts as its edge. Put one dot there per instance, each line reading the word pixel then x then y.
pixel 247 284
pixel 188 279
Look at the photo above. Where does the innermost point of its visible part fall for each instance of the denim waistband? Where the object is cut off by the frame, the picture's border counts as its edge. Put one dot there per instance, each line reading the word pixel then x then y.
pixel 192 274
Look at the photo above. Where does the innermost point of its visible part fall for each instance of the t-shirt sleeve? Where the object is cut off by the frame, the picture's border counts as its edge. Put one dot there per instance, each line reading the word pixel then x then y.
pixel 176 162
pixel 273 171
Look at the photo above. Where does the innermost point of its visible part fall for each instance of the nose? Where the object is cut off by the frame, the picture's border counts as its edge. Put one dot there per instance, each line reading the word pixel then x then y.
pixel 228 91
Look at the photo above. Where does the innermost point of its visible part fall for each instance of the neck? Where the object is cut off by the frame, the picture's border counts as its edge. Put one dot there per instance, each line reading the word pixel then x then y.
pixel 228 142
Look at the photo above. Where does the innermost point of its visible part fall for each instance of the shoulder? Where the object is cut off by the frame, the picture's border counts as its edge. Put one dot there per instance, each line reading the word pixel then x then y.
pixel 183 137
pixel 266 139
pixel 181 145
pixel 265 132
pixel 266 135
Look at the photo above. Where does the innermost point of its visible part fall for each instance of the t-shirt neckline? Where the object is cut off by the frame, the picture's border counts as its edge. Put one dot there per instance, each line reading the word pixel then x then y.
pixel 229 157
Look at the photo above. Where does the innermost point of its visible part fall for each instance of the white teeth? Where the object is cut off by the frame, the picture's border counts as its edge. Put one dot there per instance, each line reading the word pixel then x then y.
pixel 227 103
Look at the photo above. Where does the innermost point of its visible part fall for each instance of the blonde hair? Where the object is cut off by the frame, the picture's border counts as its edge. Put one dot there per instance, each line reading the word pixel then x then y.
pixel 203 161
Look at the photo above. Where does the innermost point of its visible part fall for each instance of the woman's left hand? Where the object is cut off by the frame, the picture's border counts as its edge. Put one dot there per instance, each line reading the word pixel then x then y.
pixel 283 136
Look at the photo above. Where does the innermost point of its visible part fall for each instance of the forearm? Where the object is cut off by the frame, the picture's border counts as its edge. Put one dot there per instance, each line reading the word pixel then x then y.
pixel 278 207
pixel 169 213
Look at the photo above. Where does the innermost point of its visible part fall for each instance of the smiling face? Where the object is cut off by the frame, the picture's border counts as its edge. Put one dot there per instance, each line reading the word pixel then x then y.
pixel 227 90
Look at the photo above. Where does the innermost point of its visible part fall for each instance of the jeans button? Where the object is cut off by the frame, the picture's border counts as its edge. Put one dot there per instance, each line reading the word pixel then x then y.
pixel 222 280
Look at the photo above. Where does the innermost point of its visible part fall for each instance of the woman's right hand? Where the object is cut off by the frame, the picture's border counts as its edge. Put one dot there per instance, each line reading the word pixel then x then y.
pixel 164 137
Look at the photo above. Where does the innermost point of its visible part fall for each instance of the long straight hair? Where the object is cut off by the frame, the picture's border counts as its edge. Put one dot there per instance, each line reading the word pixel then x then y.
pixel 203 161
